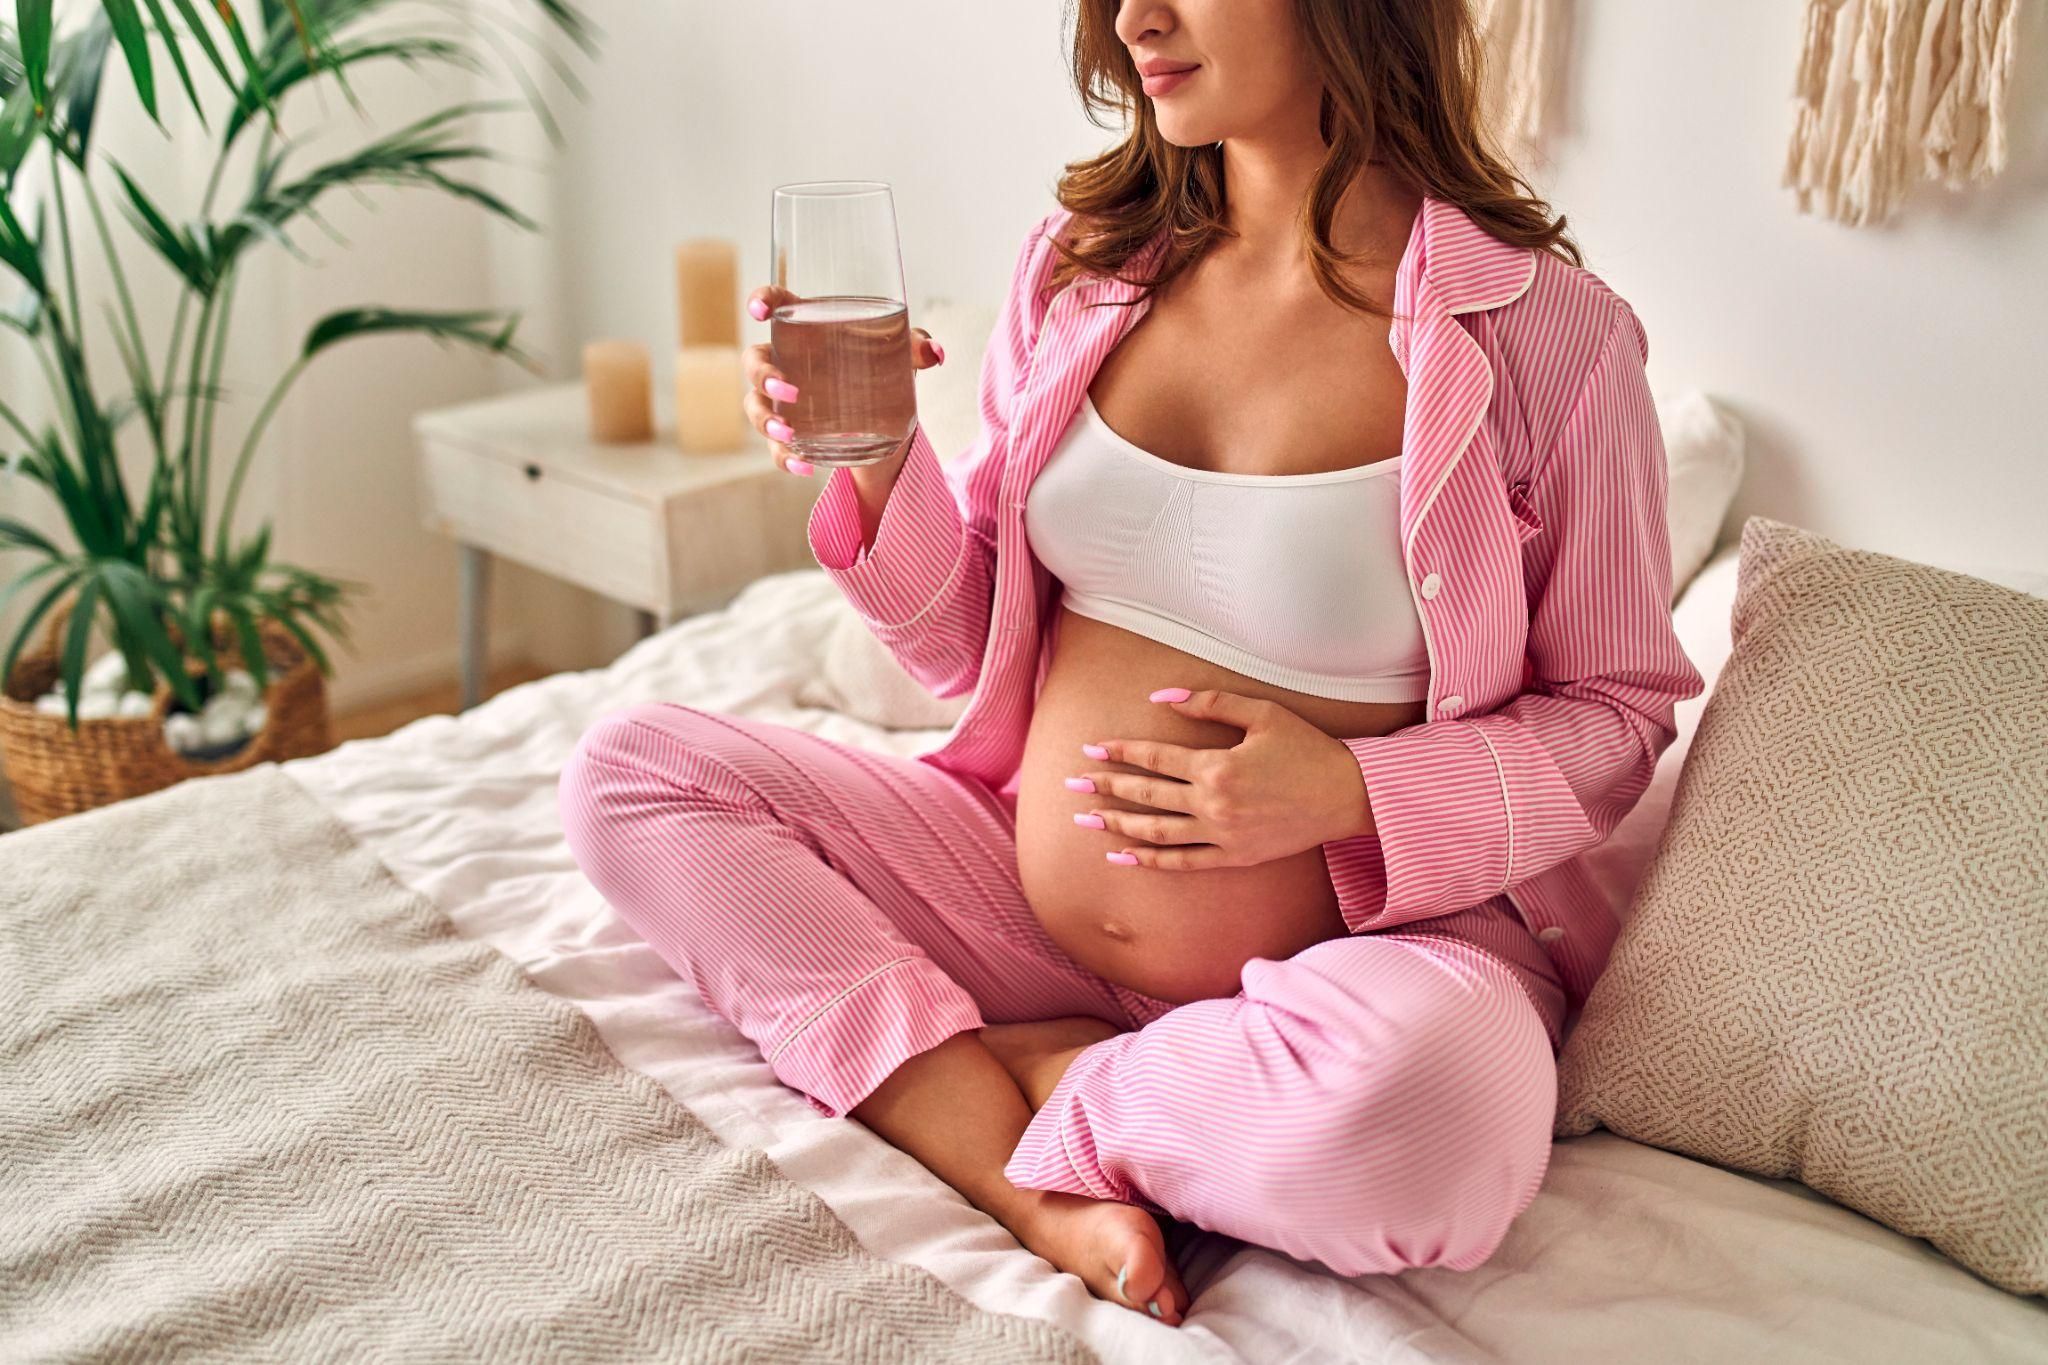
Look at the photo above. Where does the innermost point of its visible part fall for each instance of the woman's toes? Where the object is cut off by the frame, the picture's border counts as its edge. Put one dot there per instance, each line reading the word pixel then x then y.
pixel 1143 1279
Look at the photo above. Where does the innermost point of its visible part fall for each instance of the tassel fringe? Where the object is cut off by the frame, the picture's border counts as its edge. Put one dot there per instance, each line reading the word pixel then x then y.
pixel 1519 47
pixel 1889 91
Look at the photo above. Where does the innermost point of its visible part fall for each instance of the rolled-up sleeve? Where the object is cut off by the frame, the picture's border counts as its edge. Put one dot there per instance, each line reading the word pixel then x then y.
pixel 926 585
pixel 1465 808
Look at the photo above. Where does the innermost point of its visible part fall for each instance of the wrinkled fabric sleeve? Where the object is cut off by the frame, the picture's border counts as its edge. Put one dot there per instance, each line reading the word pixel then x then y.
pixel 926 585
pixel 1462 809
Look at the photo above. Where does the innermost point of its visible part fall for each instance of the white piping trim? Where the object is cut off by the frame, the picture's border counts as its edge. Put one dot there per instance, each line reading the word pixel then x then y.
pixel 819 1012
pixel 959 558
pixel 1507 809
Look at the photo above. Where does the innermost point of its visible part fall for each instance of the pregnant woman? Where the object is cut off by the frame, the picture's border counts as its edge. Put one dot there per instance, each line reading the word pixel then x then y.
pixel 1308 657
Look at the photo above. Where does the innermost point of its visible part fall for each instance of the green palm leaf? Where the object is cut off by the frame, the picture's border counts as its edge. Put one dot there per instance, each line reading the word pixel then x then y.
pixel 68 574
pixel 252 643
pixel 198 28
pixel 177 51
pixel 134 40
pixel 23 536
pixel 292 67
pixel 21 253
pixel 180 249
pixel 17 130
pixel 33 26
pixel 21 584
pixel 77 634
pixel 76 64
pixel 486 329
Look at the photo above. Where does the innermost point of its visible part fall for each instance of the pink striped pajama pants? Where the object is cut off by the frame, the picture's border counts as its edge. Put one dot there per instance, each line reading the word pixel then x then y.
pixel 1375 1102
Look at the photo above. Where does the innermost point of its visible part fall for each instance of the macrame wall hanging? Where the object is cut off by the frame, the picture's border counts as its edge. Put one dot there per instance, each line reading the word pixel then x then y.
pixel 1890 91
pixel 1520 47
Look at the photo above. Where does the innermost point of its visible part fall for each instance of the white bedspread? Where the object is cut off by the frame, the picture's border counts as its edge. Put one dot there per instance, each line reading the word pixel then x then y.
pixel 1627 1254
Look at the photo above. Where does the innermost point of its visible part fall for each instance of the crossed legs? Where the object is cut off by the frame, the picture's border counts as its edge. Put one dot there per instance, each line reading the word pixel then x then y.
pixel 1376 1102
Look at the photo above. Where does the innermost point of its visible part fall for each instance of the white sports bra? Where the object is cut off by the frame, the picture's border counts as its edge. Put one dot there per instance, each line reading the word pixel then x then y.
pixel 1295 579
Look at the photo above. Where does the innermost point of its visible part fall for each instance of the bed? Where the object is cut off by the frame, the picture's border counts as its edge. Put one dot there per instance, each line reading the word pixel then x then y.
pixel 1628 1253
pixel 366 1067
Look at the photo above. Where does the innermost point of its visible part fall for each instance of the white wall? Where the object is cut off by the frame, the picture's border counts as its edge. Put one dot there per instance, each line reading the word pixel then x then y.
pixel 1887 377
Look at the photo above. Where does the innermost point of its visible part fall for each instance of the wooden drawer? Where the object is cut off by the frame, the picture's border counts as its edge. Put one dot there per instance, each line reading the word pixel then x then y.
pixel 609 544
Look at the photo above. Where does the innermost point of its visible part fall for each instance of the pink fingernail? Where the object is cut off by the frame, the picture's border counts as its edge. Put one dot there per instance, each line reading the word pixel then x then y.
pixel 759 308
pixel 779 429
pixel 1171 694
pixel 1090 819
pixel 939 351
pixel 1094 751
pixel 1127 859
pixel 780 389
pixel 798 466
pixel 1080 784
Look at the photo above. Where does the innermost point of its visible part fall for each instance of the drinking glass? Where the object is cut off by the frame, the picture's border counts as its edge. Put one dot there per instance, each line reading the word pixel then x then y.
pixel 844 341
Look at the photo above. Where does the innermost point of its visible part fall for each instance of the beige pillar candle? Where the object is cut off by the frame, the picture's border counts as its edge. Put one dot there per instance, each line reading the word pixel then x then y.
pixel 711 415
pixel 707 293
pixel 619 379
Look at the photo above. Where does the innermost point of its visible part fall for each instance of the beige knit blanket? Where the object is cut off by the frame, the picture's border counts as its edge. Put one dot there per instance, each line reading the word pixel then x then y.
pixel 257 1099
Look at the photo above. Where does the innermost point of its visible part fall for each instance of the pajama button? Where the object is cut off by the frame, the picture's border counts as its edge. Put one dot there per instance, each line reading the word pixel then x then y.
pixel 1450 703
pixel 1430 586
pixel 1550 933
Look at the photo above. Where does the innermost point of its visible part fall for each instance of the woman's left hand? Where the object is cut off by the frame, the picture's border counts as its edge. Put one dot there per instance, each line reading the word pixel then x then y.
pixel 1283 788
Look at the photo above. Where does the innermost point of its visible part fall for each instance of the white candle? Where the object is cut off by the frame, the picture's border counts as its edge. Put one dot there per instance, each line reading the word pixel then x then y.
pixel 619 378
pixel 710 400
pixel 707 293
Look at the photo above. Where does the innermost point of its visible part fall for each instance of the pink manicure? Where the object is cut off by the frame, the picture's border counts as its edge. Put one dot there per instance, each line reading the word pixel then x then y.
pixel 939 351
pixel 1090 819
pixel 779 429
pixel 780 389
pixel 1094 751
pixel 1127 859
pixel 1080 784
pixel 759 308
pixel 798 466
pixel 1171 694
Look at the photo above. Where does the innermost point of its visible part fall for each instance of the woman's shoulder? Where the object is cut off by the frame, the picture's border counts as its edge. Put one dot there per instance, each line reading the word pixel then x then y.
pixel 1557 333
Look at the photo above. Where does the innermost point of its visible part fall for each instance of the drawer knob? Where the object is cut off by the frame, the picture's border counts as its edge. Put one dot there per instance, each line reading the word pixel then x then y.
pixel 533 472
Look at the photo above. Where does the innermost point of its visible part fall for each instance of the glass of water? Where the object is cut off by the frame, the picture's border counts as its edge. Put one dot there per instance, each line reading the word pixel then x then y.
pixel 844 339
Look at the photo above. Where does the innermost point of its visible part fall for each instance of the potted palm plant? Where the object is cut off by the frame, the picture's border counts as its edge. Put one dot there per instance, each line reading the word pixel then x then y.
pixel 151 556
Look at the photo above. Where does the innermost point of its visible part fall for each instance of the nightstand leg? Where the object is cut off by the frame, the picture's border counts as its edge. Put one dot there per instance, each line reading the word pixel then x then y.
pixel 475 606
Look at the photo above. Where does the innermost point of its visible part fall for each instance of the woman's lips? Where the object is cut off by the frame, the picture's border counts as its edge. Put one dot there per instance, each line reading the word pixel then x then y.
pixel 1155 86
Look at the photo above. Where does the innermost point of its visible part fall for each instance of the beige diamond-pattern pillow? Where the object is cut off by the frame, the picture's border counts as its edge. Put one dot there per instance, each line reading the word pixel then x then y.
pixel 1835 969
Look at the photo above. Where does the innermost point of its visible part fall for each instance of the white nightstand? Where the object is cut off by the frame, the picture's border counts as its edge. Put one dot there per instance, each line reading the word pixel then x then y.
pixel 643 524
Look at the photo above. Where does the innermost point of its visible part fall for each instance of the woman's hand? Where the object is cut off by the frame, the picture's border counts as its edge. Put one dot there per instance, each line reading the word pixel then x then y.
pixel 1284 788
pixel 766 384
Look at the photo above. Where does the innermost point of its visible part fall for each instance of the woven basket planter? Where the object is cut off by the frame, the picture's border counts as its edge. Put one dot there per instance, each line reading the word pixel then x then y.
pixel 56 771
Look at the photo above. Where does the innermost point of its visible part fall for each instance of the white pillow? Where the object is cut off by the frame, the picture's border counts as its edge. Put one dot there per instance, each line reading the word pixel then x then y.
pixel 1703 454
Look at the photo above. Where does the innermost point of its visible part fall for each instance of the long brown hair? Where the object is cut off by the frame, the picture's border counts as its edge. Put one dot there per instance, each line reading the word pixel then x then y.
pixel 1401 84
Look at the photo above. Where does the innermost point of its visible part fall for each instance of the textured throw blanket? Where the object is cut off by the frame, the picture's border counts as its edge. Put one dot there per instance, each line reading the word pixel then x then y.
pixel 257 1099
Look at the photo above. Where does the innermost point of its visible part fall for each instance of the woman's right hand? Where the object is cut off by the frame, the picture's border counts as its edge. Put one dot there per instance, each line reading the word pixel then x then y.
pixel 767 385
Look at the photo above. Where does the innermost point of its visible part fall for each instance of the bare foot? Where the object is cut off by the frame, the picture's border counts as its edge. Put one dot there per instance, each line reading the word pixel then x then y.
pixel 1037 1054
pixel 1118 1251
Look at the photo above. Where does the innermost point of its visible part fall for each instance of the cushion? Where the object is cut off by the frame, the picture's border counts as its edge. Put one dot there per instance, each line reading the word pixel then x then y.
pixel 1703 457
pixel 1834 968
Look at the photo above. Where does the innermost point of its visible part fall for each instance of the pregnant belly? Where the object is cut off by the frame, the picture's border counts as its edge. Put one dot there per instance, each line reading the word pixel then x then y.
pixel 1174 935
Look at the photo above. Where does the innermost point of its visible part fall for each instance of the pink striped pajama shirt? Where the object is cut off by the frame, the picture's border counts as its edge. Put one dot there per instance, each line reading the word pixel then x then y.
pixel 1375 1102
